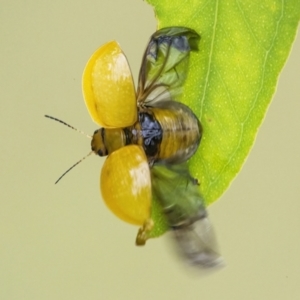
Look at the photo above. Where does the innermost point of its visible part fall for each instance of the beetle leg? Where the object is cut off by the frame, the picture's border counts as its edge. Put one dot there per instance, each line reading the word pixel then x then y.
pixel 142 235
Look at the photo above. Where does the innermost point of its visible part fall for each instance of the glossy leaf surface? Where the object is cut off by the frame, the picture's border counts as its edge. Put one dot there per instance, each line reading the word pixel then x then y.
pixel 233 76
pixel 125 184
pixel 108 88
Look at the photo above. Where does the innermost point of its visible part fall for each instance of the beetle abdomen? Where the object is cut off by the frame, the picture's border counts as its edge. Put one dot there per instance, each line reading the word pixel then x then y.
pixel 181 131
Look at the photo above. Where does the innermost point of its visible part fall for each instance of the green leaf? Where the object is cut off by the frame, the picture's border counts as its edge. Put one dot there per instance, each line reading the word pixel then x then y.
pixel 233 76
pixel 231 81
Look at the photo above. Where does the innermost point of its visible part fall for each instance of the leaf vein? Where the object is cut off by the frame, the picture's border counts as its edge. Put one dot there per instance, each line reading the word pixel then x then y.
pixel 210 58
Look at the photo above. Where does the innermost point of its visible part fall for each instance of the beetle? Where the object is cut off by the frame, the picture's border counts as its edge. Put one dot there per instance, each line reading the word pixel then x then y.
pixel 148 136
pixel 164 129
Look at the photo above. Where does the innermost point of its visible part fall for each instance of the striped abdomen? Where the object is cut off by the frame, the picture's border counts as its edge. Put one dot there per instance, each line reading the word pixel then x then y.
pixel 179 134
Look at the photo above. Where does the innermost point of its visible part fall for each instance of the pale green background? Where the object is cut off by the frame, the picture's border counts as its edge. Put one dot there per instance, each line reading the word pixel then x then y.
pixel 60 242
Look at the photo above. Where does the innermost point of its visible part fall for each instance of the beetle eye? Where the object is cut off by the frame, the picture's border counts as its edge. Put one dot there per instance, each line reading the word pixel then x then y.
pixel 100 153
pixel 96 131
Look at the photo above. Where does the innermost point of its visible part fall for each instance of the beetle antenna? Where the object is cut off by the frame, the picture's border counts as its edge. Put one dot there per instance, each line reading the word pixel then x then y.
pixel 60 121
pixel 73 167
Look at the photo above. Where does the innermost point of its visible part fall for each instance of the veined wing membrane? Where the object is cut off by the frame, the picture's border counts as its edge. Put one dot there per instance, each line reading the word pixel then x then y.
pixel 165 64
pixel 179 196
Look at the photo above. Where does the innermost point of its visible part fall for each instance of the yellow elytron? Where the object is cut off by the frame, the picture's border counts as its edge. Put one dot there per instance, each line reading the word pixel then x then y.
pixel 164 130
